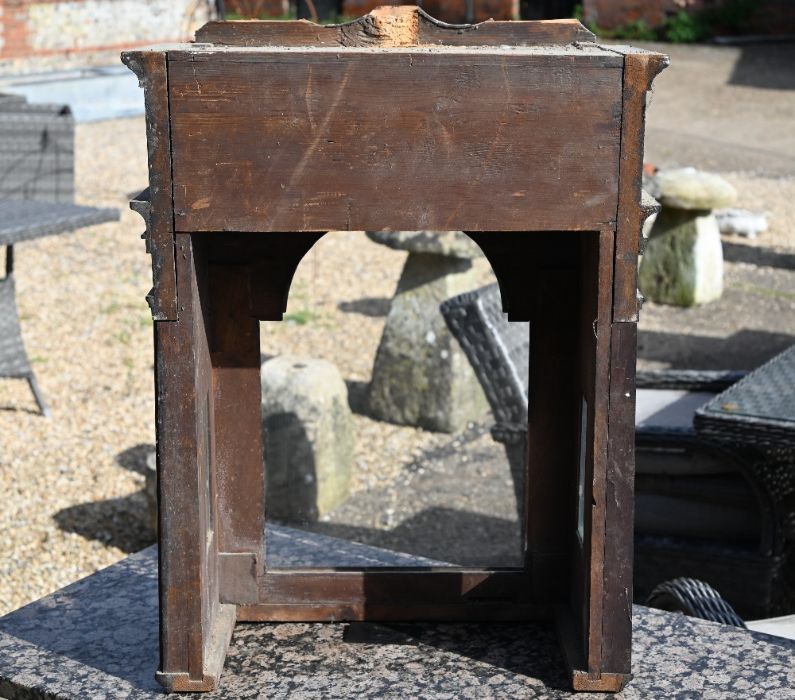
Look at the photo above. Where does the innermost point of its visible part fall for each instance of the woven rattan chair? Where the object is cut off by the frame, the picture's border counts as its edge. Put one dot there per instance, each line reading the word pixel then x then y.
pixel 717 506
pixel 499 354
pixel 36 199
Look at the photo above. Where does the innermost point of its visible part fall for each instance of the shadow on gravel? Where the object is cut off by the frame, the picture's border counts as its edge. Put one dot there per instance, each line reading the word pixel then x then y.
pixel 116 522
pixel 357 396
pixel 766 66
pixel 746 349
pixel 134 458
pixel 375 307
pixel 763 257
pixel 435 533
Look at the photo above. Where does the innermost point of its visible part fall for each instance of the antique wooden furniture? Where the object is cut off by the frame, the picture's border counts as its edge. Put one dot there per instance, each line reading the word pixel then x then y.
pixel 264 135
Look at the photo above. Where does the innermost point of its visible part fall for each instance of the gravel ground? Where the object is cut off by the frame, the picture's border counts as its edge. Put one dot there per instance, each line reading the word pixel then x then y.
pixel 72 484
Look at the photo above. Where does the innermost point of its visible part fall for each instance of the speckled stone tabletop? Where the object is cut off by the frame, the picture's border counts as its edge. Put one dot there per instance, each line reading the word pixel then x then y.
pixel 98 639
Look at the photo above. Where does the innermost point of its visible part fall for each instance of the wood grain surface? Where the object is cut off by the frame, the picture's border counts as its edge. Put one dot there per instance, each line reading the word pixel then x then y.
pixel 407 25
pixel 367 139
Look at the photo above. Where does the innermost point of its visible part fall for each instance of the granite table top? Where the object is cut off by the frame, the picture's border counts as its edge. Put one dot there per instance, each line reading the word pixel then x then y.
pixel 98 638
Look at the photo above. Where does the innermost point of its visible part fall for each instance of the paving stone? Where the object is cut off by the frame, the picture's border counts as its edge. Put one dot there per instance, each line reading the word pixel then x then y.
pixel 98 638
pixel 741 222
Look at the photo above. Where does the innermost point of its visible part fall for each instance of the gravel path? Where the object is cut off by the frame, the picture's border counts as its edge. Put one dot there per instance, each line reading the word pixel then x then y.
pixel 72 499
pixel 72 485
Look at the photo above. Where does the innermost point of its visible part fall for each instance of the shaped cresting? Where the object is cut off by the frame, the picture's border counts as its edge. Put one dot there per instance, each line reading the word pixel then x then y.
pixel 262 136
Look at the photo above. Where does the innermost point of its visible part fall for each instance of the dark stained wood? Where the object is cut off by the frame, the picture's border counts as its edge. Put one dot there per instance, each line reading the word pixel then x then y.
pixel 152 72
pixel 237 417
pixel 619 500
pixel 373 585
pixel 322 140
pixel 582 680
pixel 390 612
pixel 518 133
pixel 387 26
pixel 553 428
pixel 640 68
pixel 599 389
pixel 191 615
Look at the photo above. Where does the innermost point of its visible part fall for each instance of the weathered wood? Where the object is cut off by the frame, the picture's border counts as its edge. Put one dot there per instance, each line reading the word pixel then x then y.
pixel 640 68
pixel 152 72
pixel 237 417
pixel 192 620
pixel 582 681
pixel 518 133
pixel 318 140
pixel 390 26
pixel 553 428
pixel 597 327
pixel 619 500
pixel 390 612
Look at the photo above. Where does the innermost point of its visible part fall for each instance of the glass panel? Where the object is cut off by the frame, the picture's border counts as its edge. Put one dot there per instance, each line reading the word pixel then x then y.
pixel 379 448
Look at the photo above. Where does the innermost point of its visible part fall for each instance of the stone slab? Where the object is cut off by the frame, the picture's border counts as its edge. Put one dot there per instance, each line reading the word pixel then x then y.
pixel 97 638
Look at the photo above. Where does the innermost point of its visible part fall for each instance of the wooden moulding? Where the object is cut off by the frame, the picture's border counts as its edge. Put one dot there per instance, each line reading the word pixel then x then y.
pixel 640 69
pixel 155 203
pixel 218 638
pixel 393 26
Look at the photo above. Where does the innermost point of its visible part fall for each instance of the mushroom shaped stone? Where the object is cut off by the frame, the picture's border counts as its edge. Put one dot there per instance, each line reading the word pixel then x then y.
pixel 683 261
pixel 691 189
pixel 451 244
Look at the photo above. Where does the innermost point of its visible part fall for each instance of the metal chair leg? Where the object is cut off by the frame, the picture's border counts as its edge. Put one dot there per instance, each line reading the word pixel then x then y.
pixel 42 404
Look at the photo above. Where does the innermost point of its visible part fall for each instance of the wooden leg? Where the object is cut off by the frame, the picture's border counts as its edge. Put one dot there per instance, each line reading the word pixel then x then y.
pixel 552 431
pixel 194 627
pixel 237 431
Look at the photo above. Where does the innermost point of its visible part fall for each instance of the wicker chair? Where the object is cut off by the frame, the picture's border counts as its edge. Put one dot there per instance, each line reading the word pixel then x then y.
pixel 499 353
pixel 705 508
pixel 36 199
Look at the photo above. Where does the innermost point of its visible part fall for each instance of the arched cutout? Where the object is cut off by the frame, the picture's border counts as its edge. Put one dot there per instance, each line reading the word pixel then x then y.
pixel 427 476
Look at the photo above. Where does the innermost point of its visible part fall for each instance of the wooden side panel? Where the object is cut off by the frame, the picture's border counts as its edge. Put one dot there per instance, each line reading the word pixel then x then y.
pixel 368 139
pixel 599 385
pixel 152 71
pixel 237 430
pixel 619 501
pixel 640 68
pixel 194 628
pixel 553 280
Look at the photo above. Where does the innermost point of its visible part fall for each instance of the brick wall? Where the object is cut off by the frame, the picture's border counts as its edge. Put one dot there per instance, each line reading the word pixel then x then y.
pixel 452 11
pixel 50 33
pixel 771 17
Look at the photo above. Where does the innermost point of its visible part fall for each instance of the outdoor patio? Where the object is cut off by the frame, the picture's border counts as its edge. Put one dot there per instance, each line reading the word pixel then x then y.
pixel 74 485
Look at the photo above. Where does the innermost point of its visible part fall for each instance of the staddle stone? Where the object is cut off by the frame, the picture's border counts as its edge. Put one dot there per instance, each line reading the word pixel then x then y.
pixel 691 189
pixel 454 244
pixel 683 261
pixel 421 377
pixel 308 437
